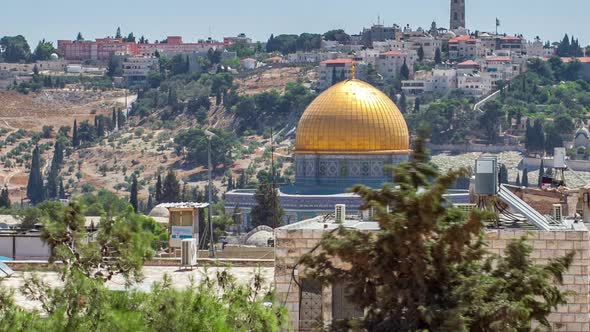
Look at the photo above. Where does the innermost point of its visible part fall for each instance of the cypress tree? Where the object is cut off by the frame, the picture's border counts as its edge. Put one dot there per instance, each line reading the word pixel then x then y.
pixel 437 56
pixel 114 119
pixel 268 209
pixel 505 174
pixel 121 119
pixel 75 138
pixel 402 102
pixel 421 54
pixel 170 188
pixel 159 189
pixel 35 190
pixel 133 196
pixel 230 183
pixel 4 198
pixel 525 178
pixel 242 181
pixel 417 105
pixel 404 72
pixel 184 195
pixel 62 191
pixel 150 203
pixel 518 179
pixel 195 194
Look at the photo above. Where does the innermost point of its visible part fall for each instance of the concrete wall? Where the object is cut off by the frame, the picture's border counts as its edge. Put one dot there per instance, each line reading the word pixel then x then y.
pixel 575 315
pixel 23 247
pixel 291 244
pixel 475 148
pixel 575 165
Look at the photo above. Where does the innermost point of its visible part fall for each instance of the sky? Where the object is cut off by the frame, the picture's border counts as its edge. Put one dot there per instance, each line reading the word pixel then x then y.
pixel 198 19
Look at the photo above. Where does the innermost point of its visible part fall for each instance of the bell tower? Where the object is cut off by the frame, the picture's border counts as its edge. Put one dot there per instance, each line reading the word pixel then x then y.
pixel 457 14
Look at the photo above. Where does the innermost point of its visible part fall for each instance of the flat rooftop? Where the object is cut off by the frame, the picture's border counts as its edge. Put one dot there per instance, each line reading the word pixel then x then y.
pixel 152 274
pixel 329 223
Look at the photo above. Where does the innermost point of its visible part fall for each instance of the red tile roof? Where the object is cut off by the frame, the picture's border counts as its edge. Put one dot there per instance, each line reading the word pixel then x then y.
pixel 468 63
pixel 336 62
pixel 461 38
pixel 393 53
pixel 500 59
pixel 275 59
pixel 584 59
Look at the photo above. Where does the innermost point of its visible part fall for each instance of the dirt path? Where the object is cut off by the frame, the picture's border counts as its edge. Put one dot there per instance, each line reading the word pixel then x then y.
pixel 9 177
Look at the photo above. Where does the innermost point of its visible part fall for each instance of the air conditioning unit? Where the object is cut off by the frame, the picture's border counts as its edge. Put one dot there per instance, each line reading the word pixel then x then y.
pixel 557 212
pixel 486 176
pixel 188 253
pixel 465 207
pixel 340 213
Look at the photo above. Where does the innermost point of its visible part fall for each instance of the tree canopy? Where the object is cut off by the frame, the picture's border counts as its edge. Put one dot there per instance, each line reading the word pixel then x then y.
pixel 430 270
pixel 14 49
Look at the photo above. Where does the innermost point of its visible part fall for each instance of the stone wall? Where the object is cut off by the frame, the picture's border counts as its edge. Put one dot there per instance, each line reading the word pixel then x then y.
pixel 574 316
pixel 291 244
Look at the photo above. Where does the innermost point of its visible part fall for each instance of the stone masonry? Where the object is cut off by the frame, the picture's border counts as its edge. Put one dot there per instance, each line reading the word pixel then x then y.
pixel 292 243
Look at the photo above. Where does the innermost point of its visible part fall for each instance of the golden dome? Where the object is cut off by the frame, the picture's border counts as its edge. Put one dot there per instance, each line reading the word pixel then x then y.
pixel 352 117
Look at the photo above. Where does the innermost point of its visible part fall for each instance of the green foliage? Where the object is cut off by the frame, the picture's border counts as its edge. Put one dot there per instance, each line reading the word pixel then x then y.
pixel 242 50
pixel 434 262
pixel 133 200
pixel 195 143
pixel 437 56
pixel 271 109
pixel 449 118
pixel 337 35
pixel 121 245
pixel 4 198
pixel 404 71
pixel 170 188
pixel 491 120
pixel 268 210
pixel 103 203
pixel 43 50
pixel 14 49
pixel 35 191
pixel 286 44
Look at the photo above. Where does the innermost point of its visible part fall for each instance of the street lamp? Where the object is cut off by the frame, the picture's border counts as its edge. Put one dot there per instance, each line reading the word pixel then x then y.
pixel 209 194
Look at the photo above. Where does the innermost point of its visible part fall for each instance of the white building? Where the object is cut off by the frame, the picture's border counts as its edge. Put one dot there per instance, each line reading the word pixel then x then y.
pixel 442 81
pixel 475 84
pixel 537 49
pixel 248 63
pixel 304 57
pixel 336 70
pixel 137 69
pixel 501 68
pixel 438 81
pixel 389 64
pixel 465 47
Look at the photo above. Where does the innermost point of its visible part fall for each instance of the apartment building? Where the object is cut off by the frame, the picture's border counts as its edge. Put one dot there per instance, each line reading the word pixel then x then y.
pixel 389 64
pixel 336 70
pixel 465 47
pixel 136 70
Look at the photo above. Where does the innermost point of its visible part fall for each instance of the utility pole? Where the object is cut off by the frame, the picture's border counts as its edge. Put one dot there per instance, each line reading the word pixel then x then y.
pixel 210 211
pixel 273 183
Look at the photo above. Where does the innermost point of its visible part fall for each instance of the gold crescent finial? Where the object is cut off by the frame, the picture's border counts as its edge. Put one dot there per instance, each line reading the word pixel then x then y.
pixel 352 70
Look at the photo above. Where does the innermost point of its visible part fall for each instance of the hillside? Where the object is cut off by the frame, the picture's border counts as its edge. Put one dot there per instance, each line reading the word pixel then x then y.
pixel 145 145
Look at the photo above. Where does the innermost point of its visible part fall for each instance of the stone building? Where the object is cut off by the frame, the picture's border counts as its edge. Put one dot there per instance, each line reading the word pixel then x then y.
pixel 311 304
pixel 457 14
